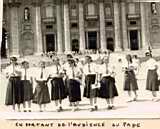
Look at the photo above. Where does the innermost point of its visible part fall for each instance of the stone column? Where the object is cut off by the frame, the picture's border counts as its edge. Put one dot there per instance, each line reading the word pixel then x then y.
pixel 38 31
pixel 59 29
pixel 1 20
pixel 81 28
pixel 124 26
pixel 102 27
pixel 117 26
pixel 14 31
pixel 67 28
pixel 143 26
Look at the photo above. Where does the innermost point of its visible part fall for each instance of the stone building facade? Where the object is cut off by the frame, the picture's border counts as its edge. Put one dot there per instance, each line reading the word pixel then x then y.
pixel 36 26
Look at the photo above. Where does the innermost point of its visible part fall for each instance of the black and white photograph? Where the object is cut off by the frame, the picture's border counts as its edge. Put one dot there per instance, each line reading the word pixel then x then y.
pixel 80 60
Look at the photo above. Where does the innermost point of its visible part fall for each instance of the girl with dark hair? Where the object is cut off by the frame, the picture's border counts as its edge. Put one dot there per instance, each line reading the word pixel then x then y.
pixel 41 94
pixel 14 94
pixel 152 76
pixel 130 81
pixel 27 84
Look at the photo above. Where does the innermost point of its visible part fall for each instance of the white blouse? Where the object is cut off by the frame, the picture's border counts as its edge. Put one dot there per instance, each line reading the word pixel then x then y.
pixel 102 69
pixel 73 73
pixel 90 68
pixel 9 71
pixel 53 71
pixel 28 74
pixel 151 64
pixel 38 74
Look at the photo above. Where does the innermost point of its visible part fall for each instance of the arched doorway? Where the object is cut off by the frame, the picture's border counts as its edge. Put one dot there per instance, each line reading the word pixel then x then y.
pixel 110 44
pixel 4 43
pixel 75 45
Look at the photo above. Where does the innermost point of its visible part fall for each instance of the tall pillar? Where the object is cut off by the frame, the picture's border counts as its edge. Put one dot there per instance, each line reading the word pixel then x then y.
pixel 59 28
pixel 38 31
pixel 81 27
pixel 143 26
pixel 14 31
pixel 1 20
pixel 67 28
pixel 102 26
pixel 117 26
pixel 124 26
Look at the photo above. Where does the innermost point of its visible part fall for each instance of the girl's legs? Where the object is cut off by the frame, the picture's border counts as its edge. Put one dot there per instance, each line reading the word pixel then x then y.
pixel 24 106
pixel 29 105
pixel 95 103
pixel 154 94
pixel 40 108
pixel 135 95
pixel 18 106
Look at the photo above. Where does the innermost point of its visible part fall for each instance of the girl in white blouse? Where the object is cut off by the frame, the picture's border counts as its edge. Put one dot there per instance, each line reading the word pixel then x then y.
pixel 41 94
pixel 14 94
pixel 73 82
pixel 90 73
pixel 152 83
pixel 27 83
pixel 108 89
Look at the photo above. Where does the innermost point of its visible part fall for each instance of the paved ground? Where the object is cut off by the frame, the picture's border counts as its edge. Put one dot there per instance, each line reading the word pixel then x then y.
pixel 143 108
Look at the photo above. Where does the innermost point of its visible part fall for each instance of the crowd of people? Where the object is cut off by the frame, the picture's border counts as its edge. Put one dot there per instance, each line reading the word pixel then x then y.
pixel 29 85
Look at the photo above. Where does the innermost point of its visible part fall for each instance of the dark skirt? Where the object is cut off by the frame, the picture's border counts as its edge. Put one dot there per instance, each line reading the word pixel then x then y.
pixel 130 83
pixel 57 89
pixel 41 94
pixel 74 90
pixel 28 90
pixel 14 94
pixel 108 88
pixel 152 83
pixel 88 91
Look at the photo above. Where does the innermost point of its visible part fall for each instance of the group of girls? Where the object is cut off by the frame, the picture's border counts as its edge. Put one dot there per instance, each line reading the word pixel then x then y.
pixel 67 78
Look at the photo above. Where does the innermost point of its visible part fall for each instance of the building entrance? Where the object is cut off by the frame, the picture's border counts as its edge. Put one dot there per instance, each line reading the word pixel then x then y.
pixel 92 40
pixel 134 43
pixel 50 42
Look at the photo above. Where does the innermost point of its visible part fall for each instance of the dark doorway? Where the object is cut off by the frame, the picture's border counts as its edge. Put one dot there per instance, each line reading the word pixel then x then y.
pixel 50 42
pixel 110 44
pixel 3 44
pixel 92 40
pixel 75 45
pixel 134 45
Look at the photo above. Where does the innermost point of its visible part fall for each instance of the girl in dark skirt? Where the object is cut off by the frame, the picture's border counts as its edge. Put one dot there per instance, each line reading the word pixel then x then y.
pixel 73 83
pixel 41 95
pixel 57 85
pixel 90 74
pixel 130 83
pixel 108 89
pixel 152 76
pixel 14 94
pixel 27 83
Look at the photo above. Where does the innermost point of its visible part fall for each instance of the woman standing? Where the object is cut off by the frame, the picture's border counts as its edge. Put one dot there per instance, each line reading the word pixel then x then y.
pixel 57 84
pixel 130 81
pixel 73 75
pixel 152 76
pixel 41 95
pixel 27 83
pixel 108 89
pixel 14 94
pixel 90 80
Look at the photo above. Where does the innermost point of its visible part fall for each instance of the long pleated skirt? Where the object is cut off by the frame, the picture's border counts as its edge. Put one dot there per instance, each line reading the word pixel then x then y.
pixel 14 94
pixel 108 88
pixel 41 94
pixel 74 90
pixel 57 89
pixel 28 90
pixel 88 91
pixel 130 81
pixel 152 83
